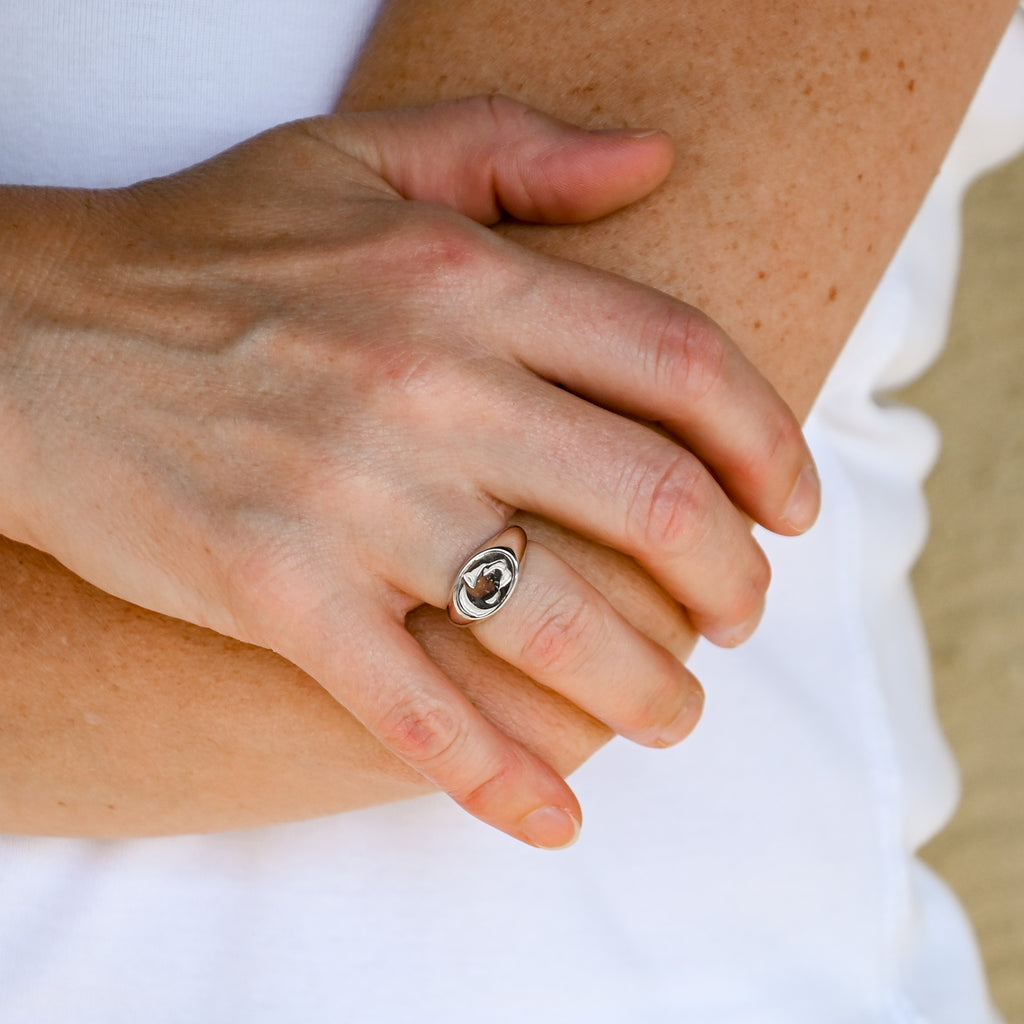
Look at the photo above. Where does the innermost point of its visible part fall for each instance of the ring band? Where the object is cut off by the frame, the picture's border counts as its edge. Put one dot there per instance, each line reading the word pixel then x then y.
pixel 487 580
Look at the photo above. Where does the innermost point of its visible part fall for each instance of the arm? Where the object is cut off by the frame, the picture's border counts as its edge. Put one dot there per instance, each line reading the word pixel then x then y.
pixel 257 761
pixel 271 395
pixel 121 722
pixel 807 135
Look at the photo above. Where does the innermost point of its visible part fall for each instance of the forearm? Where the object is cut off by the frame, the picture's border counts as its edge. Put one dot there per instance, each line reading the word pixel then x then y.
pixel 128 723
pixel 118 721
pixel 807 135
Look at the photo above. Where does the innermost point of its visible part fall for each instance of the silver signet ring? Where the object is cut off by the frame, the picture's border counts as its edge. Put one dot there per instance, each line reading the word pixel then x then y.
pixel 487 580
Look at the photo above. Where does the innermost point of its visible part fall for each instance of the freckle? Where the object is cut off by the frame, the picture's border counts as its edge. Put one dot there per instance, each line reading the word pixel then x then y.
pixel 111 807
pixel 902 66
pixel 61 803
pixel 860 177
pixel 910 85
pixel 808 89
pixel 757 325
pixel 761 275
pixel 865 56
pixel 832 293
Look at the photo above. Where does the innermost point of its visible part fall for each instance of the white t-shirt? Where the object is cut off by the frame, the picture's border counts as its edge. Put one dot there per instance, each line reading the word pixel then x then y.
pixel 760 873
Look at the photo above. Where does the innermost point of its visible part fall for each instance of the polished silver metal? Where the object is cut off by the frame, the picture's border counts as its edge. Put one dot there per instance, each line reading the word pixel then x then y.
pixel 487 580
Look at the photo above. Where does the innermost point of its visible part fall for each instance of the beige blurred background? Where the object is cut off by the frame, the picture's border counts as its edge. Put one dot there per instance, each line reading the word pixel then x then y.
pixel 971 577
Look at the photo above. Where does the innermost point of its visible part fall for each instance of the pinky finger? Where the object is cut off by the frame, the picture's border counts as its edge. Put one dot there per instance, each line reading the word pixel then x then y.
pixel 420 715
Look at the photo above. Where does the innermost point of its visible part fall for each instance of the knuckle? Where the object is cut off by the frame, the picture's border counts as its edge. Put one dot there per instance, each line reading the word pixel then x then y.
pixel 502 110
pixel 689 354
pixel 445 254
pixel 503 775
pixel 784 434
pixel 407 371
pixel 672 510
pixel 418 396
pixel 438 242
pixel 775 447
pixel 451 269
pixel 562 635
pixel 425 734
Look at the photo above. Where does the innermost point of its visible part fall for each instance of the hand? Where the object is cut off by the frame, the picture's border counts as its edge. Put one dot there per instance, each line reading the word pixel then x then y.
pixel 156 727
pixel 269 396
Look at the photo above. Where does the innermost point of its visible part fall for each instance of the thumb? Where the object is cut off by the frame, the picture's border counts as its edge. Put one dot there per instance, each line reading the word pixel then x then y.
pixel 490 155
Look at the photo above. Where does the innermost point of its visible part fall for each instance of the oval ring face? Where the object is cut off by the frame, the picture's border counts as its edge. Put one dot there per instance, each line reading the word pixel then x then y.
pixel 485 583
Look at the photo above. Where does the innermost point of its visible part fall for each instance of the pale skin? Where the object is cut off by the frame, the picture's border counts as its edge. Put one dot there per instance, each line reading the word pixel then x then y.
pixel 228 406
pixel 155 726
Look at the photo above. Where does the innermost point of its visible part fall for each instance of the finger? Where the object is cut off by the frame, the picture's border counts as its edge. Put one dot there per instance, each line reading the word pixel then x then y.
pixel 544 450
pixel 627 486
pixel 401 697
pixel 558 630
pixel 490 155
pixel 641 352
pixel 634 595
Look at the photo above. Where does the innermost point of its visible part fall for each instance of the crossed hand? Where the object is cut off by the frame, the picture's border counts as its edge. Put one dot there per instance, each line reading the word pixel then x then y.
pixel 290 392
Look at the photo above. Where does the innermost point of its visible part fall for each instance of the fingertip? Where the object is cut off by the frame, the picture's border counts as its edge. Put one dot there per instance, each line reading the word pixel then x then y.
pixel 584 175
pixel 629 133
pixel 733 635
pixel 686 721
pixel 804 502
pixel 550 828
pixel 636 161
pixel 653 138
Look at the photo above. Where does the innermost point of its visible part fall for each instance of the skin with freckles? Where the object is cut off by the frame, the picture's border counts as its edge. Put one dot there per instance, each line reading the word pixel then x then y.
pixel 806 136
pixel 203 422
pixel 805 139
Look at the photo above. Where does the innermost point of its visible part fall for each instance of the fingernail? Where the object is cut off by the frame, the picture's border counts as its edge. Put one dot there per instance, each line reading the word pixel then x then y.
pixel 804 502
pixel 550 828
pixel 686 721
pixel 627 133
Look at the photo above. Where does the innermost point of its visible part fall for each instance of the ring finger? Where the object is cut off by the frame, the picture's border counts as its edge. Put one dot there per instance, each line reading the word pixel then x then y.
pixel 561 632
pixel 627 486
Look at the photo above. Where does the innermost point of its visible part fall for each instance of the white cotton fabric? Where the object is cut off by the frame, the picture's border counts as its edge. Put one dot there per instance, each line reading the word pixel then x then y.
pixel 761 873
